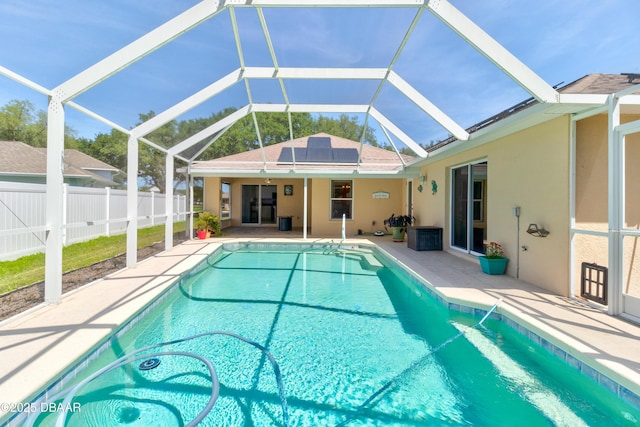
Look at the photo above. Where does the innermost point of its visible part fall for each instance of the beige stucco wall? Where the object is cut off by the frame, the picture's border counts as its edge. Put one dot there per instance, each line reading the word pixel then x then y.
pixel 212 195
pixel 368 216
pixel 366 209
pixel 592 198
pixel 287 205
pixel 529 169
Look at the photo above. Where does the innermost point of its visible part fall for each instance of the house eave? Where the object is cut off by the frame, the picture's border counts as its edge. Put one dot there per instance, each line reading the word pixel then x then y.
pixel 531 116
pixel 306 173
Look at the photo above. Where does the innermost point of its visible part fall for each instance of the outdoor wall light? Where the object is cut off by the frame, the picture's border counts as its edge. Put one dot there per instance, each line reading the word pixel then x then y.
pixel 537 232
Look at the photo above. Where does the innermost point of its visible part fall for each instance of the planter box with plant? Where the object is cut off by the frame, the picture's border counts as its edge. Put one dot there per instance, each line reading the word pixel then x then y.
pixel 398 225
pixel 493 261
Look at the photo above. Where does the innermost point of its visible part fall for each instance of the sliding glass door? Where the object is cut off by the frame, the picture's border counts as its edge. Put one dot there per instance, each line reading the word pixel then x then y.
pixel 468 207
pixel 259 204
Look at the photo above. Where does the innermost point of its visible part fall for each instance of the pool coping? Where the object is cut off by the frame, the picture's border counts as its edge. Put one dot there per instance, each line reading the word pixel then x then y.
pixel 553 341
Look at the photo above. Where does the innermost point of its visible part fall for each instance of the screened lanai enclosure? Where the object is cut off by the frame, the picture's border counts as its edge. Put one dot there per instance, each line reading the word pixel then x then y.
pixel 381 61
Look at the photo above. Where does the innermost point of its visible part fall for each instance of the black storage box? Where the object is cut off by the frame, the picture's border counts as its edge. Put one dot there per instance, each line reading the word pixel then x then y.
pixel 425 238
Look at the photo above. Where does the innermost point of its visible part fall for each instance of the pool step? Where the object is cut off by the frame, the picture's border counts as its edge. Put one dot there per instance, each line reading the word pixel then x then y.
pixel 370 262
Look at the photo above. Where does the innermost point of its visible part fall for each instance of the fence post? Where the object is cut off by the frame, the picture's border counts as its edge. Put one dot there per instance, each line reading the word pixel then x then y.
pixel 107 194
pixel 153 208
pixel 65 203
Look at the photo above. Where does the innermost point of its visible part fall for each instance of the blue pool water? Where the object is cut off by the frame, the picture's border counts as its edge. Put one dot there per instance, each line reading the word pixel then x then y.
pixel 354 342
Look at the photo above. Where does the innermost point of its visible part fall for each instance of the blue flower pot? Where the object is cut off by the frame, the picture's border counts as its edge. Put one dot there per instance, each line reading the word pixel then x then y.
pixel 493 265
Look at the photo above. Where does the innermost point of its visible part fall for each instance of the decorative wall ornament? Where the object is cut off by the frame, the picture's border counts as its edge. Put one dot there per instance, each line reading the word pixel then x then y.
pixel 434 187
pixel 380 195
pixel 536 231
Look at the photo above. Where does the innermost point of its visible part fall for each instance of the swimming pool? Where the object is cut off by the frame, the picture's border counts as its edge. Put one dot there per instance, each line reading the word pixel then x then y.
pixel 356 343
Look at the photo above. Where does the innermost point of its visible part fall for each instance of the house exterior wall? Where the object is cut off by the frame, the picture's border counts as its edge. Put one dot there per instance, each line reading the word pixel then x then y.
pixel 366 209
pixel 592 199
pixel 292 205
pixel 212 195
pixel 529 169
pixel 287 205
pixel 368 216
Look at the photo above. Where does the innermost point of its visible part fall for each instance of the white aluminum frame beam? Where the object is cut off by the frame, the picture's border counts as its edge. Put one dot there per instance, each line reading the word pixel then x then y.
pixel 139 48
pixel 232 118
pixel 326 3
pixel 309 108
pixel 615 170
pixel 210 131
pixel 493 51
pixel 427 106
pixel 386 134
pixel 215 137
pixel 629 128
pixel 24 81
pixel 54 201
pixel 241 113
pixel 188 103
pixel 44 91
pixel 406 139
pixel 132 201
pixel 168 203
pixel 316 73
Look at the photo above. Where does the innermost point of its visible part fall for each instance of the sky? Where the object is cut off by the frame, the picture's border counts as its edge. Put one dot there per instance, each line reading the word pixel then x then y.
pixel 49 42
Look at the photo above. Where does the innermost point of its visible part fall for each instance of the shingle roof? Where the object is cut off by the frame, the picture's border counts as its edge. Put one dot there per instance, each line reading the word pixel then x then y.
pixel 372 158
pixel 599 84
pixel 18 158
pixel 602 83
pixel 85 161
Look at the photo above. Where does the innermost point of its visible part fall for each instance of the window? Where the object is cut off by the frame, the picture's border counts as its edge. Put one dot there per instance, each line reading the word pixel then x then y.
pixel 341 199
pixel 225 201
pixel 478 201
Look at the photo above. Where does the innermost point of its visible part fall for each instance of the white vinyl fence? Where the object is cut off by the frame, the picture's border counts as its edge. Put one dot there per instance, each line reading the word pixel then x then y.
pixel 88 213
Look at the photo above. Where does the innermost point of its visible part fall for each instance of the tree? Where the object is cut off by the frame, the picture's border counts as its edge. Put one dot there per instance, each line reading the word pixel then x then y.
pixel 152 162
pixel 20 121
pixel 274 128
pixel 345 127
pixel 111 148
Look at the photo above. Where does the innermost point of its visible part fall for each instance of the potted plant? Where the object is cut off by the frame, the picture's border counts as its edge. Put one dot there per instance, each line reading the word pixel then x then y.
pixel 207 224
pixel 493 261
pixel 398 225
pixel 202 225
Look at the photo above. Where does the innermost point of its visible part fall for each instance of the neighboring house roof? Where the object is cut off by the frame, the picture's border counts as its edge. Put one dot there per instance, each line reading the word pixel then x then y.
pixel 86 162
pixel 340 156
pixel 20 159
pixel 595 84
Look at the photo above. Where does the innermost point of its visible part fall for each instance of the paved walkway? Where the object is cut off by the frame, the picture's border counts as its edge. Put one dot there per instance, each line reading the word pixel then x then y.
pixel 38 345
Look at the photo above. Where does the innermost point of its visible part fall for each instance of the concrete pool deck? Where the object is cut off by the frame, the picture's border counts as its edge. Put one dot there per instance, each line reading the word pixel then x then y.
pixel 38 345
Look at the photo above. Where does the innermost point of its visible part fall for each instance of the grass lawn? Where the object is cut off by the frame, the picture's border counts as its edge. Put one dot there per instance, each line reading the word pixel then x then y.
pixel 30 269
